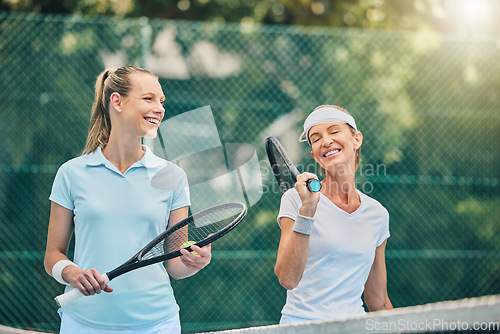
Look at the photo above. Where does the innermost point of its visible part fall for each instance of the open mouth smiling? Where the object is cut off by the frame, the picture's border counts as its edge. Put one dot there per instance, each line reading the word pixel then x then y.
pixel 331 153
pixel 154 121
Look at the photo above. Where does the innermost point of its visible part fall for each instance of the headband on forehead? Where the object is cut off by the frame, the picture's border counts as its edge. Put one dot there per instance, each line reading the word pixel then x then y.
pixel 325 115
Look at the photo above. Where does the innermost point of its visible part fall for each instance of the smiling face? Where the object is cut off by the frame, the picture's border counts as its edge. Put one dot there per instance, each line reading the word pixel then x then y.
pixel 141 112
pixel 334 145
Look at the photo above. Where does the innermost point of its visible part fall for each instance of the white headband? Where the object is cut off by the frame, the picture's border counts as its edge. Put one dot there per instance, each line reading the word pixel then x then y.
pixel 325 115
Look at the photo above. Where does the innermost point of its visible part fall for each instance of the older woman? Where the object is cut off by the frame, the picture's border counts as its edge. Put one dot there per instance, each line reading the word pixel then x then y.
pixel 332 246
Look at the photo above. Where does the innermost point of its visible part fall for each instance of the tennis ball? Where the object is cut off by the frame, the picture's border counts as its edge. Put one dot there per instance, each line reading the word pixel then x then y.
pixel 189 243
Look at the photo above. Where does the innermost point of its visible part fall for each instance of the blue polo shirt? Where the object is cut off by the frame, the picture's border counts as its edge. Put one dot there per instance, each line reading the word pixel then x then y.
pixel 115 215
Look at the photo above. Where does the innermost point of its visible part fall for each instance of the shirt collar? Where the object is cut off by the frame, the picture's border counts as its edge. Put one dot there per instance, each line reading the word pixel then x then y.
pixel 149 160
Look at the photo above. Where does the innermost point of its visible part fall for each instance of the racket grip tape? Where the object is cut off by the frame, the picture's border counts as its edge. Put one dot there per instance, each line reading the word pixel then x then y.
pixel 72 295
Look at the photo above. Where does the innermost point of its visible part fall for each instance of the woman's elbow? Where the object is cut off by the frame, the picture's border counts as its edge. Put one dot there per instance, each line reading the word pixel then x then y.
pixel 377 304
pixel 374 305
pixel 175 278
pixel 287 281
pixel 289 284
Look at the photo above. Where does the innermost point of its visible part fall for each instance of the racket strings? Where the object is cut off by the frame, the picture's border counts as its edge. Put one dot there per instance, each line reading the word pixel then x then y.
pixel 281 170
pixel 202 227
pixel 155 251
pixel 197 229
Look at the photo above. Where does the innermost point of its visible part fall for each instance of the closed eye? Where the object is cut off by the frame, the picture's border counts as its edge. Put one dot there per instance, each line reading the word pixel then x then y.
pixel 314 138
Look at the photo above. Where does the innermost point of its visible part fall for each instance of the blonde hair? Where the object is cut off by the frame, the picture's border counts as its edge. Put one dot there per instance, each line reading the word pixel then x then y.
pixel 358 151
pixel 108 82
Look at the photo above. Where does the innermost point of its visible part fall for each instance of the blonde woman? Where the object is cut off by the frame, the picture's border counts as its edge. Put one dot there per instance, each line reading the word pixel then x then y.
pixel 105 198
pixel 332 245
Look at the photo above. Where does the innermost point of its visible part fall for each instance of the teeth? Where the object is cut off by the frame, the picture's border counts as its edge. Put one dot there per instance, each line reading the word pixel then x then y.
pixel 151 120
pixel 331 153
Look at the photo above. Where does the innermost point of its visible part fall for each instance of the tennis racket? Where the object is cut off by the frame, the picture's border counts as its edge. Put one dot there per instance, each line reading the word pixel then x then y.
pixel 283 168
pixel 203 228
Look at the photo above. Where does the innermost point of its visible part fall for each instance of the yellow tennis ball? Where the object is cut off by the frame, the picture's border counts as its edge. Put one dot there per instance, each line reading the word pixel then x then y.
pixel 189 243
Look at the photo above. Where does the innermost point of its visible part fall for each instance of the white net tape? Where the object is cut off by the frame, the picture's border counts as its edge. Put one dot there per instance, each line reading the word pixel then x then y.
pixel 9 330
pixel 472 315
pixel 476 315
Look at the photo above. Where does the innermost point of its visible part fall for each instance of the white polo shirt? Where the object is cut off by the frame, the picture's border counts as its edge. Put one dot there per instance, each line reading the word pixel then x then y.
pixel 115 215
pixel 340 255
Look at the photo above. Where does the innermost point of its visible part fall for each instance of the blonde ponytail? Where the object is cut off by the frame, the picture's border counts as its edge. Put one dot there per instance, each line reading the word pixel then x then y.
pixel 100 124
pixel 108 82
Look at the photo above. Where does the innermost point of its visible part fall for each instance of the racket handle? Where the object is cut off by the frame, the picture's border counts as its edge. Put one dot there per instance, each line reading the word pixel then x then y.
pixel 313 185
pixel 72 295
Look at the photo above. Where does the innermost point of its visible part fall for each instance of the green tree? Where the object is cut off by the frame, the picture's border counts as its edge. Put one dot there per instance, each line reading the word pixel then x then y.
pixel 411 15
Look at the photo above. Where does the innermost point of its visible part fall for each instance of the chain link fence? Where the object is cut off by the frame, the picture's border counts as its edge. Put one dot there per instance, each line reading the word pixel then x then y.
pixel 427 104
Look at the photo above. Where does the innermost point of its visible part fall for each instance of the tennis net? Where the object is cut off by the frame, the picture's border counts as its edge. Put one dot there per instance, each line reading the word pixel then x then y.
pixel 11 330
pixel 472 315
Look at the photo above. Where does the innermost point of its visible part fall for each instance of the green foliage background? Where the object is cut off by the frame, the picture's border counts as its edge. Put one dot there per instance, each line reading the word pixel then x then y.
pixel 427 104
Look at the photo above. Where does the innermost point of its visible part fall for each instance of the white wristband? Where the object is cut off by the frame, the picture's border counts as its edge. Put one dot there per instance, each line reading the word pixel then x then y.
pixel 303 225
pixel 58 268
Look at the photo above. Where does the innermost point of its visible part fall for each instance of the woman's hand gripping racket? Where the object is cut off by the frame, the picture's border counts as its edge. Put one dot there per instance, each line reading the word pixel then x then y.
pixel 284 170
pixel 201 228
